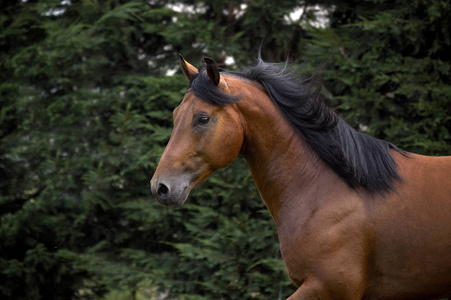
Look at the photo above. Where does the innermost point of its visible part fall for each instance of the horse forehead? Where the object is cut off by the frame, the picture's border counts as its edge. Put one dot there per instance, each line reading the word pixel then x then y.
pixel 192 104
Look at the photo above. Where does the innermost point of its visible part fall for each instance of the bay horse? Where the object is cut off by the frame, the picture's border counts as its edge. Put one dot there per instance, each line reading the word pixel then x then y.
pixel 357 217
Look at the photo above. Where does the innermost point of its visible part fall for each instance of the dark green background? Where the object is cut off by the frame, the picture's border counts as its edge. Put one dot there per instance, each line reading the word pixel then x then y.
pixel 86 110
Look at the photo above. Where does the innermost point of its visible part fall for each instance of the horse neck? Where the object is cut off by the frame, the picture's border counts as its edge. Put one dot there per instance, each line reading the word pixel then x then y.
pixel 287 172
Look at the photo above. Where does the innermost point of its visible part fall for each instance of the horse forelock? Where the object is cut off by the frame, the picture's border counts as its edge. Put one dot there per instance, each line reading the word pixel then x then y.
pixel 203 88
pixel 360 160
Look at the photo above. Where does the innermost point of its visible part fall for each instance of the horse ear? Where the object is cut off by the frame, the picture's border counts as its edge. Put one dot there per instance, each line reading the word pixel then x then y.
pixel 212 70
pixel 188 70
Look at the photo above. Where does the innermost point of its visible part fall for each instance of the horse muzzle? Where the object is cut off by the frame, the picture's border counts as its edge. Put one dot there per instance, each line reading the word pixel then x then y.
pixel 170 192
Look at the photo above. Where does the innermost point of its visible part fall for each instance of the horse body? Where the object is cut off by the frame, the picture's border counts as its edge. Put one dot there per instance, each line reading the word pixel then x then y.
pixel 338 241
pixel 413 231
pixel 378 247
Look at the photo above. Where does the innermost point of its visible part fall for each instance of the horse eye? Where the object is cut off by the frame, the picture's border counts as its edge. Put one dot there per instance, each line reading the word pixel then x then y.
pixel 203 120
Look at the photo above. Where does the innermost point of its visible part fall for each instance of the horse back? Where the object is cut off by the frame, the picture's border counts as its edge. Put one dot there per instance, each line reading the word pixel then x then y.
pixel 412 231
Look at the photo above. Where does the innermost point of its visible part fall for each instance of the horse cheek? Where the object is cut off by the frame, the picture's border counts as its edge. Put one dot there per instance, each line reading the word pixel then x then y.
pixel 225 147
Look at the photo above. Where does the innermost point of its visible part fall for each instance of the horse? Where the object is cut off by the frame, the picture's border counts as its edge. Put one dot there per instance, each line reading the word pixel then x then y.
pixel 356 216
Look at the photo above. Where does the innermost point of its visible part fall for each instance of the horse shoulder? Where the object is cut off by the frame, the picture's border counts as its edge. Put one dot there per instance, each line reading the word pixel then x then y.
pixel 330 243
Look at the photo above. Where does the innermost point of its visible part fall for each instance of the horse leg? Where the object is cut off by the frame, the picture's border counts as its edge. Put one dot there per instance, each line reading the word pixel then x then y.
pixel 314 289
pixel 310 289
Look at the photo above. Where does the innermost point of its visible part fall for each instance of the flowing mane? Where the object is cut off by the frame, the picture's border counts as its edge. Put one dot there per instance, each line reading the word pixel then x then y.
pixel 360 160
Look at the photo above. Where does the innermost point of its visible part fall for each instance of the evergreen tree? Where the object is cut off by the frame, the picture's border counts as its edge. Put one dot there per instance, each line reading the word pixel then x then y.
pixel 389 67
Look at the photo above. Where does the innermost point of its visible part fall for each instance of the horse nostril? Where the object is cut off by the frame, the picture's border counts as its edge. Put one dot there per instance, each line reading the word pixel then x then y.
pixel 163 191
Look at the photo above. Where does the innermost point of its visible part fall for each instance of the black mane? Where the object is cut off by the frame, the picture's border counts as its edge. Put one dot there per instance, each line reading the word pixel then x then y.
pixel 357 158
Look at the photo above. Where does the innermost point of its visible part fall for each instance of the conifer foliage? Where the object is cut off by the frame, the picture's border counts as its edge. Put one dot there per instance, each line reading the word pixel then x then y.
pixel 87 90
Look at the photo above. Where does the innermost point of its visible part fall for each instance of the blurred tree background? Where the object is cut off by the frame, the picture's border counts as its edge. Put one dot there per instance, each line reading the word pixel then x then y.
pixel 87 92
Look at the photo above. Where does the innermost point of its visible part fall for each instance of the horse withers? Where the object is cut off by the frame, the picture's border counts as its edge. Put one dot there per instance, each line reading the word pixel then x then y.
pixel 357 217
